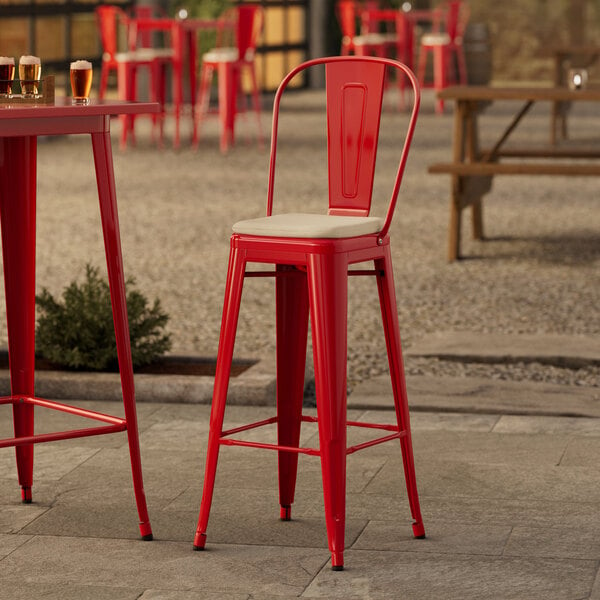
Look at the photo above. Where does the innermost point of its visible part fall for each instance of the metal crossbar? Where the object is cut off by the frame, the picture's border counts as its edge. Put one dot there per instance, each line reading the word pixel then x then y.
pixel 226 441
pixel 115 424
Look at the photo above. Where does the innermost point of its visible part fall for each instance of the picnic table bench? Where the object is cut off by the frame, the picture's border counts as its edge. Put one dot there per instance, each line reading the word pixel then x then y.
pixel 473 169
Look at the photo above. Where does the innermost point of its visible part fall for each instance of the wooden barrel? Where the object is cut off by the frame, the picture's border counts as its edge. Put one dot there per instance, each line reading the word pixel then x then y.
pixel 478 53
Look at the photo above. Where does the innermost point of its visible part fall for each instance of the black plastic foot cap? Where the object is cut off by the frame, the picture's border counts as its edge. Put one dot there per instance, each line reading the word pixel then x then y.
pixel 198 548
pixel 337 568
pixel 420 537
pixel 148 537
pixel 26 500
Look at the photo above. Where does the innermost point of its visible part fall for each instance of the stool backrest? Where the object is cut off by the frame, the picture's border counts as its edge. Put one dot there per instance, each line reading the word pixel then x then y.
pixel 457 15
pixel 355 87
pixel 108 18
pixel 346 14
pixel 248 30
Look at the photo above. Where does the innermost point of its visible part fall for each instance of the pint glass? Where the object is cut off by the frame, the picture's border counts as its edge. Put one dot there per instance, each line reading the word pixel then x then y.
pixel 7 74
pixel 81 81
pixel 30 70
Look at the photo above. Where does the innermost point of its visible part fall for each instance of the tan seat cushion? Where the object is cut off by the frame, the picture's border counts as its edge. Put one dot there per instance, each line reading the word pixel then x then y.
pixel 302 225
pixel 221 55
pixel 435 39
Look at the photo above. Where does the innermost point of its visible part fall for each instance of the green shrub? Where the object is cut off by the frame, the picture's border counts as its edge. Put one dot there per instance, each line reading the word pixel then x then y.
pixel 79 333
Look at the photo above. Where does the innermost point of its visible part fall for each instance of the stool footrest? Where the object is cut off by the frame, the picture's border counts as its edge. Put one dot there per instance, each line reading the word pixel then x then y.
pixel 226 441
pixel 114 424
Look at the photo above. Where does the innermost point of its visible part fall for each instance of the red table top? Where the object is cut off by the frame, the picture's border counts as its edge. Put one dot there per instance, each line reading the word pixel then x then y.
pixel 63 117
pixel 63 107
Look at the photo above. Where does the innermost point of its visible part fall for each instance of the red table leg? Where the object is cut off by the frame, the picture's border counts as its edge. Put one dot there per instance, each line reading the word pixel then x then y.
pixel 116 278
pixel 17 214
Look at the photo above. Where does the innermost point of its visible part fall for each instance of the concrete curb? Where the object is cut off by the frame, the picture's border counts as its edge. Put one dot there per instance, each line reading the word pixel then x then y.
pixel 253 387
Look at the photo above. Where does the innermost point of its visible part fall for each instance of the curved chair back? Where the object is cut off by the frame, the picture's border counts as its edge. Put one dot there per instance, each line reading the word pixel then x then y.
pixel 457 15
pixel 107 19
pixel 248 30
pixel 355 88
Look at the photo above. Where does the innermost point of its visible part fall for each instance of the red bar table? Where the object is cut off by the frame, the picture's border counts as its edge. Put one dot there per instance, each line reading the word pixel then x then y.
pixel 20 125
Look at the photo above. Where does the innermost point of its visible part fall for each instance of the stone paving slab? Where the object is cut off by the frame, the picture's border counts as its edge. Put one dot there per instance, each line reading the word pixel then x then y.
pixel 417 575
pixel 510 505
pixel 561 350
pixel 479 395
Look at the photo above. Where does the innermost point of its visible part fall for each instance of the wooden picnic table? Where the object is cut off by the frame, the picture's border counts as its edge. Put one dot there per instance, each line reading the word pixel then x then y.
pixel 472 168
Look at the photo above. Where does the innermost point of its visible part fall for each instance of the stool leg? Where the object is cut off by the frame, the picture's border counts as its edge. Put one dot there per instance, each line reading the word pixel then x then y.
pixel 389 313
pixel 328 294
pixel 203 97
pixel 116 278
pixel 292 329
pixel 17 215
pixel 231 310
pixel 256 100
pixel 229 79
pixel 439 73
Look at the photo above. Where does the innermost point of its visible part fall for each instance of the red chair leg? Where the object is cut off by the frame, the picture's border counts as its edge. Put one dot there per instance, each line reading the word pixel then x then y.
pixel 229 80
pixel 389 313
pixel 103 81
pixel 439 73
pixel 17 215
pixel 328 294
pixel 203 100
pixel 231 309
pixel 292 330
pixel 422 65
pixel 256 100
pixel 116 278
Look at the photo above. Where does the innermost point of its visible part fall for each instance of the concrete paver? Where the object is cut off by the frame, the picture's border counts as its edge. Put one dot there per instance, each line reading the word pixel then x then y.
pixel 510 504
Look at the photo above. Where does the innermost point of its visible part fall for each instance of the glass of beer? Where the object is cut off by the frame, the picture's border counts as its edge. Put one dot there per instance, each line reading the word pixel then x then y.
pixel 81 81
pixel 30 70
pixel 7 74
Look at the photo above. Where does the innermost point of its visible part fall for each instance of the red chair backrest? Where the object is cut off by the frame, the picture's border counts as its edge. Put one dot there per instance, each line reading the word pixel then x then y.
pixel 346 16
pixel 107 18
pixel 249 27
pixel 354 98
pixel 457 15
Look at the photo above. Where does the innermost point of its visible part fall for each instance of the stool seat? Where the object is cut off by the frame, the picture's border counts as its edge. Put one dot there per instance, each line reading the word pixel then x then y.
pixel 303 225
pixel 370 39
pixel 221 55
pixel 435 39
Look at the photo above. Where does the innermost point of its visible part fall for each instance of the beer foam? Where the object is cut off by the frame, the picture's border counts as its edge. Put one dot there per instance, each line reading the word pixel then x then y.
pixel 81 65
pixel 29 60
pixel 7 60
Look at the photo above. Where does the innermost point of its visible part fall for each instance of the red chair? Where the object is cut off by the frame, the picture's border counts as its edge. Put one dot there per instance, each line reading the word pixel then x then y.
pixel 231 62
pixel 143 29
pixel 312 254
pixel 445 43
pixel 109 18
pixel 367 44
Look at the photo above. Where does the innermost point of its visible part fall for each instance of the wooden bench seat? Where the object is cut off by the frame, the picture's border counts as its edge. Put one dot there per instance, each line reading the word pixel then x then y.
pixel 521 168
pixel 473 180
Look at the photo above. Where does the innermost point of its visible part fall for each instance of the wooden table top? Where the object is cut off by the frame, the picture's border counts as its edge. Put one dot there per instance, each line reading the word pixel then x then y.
pixel 484 92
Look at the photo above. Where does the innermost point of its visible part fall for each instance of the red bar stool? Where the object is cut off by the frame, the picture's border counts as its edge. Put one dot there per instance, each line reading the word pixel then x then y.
pixel 109 19
pixel 367 44
pixel 445 44
pixel 312 254
pixel 230 62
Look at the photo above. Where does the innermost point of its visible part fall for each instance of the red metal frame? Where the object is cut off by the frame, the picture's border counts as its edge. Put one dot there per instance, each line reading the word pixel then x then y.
pixel 19 127
pixel 311 276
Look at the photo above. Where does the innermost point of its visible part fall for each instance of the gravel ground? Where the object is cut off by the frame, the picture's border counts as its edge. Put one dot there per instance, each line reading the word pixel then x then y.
pixel 538 271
